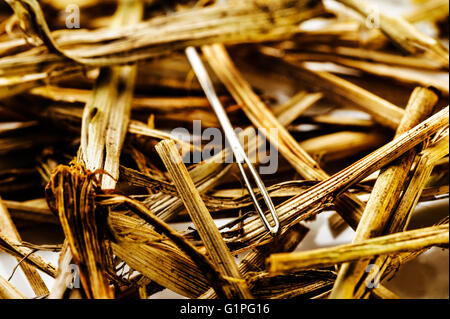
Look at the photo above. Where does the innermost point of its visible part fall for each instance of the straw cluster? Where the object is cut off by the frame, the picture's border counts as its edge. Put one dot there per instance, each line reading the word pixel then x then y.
pixel 352 101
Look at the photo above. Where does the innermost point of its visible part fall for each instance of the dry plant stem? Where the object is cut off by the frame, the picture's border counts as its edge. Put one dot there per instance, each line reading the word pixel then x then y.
pixel 432 193
pixel 343 92
pixel 391 180
pixel 397 73
pixel 343 121
pixel 259 114
pixel 155 256
pixel 139 128
pixel 122 240
pixel 298 97
pixel 295 107
pixel 104 125
pixel 386 192
pixel 287 242
pixel 134 127
pixel 342 144
pixel 381 57
pixel 106 115
pixel 29 211
pixel 422 172
pixel 96 119
pixel 255 259
pixel 206 175
pixel 204 223
pixel 431 10
pixel 63 276
pixel 8 291
pixel 332 146
pixel 381 292
pixel 13 85
pixel 20 251
pixel 71 195
pixel 163 103
pixel 258 21
pixel 15 126
pixel 409 200
pixel 283 189
pixel 225 199
pixel 127 13
pixel 308 203
pixel 402 258
pixel 400 31
pixel 384 245
pixel 304 284
pixel 167 206
pixel 8 229
pixel 336 224
pixel 210 272
pixel 262 117
pixel 171 270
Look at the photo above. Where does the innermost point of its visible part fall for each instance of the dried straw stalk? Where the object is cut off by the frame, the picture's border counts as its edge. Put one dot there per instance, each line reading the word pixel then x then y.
pixel 306 204
pixel 386 192
pixel 340 90
pixel 155 256
pixel 22 252
pixel 383 245
pixel 204 223
pixel 8 291
pixel 104 125
pixel 8 229
pixel 402 214
pixel 397 73
pixel 258 21
pixel 211 273
pixel 400 31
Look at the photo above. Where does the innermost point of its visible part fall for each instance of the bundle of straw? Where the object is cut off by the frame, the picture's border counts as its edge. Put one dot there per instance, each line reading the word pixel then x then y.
pixel 105 138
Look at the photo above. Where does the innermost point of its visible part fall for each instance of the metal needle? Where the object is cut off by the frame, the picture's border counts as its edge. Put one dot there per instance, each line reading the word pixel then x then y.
pixel 233 140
